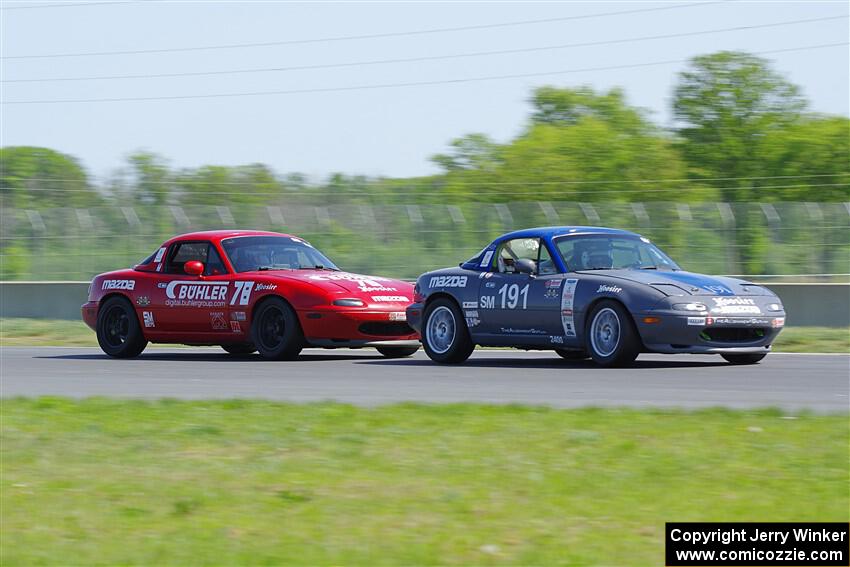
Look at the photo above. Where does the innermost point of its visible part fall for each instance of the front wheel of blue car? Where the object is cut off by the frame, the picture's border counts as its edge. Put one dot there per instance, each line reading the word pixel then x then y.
pixel 610 335
pixel 445 336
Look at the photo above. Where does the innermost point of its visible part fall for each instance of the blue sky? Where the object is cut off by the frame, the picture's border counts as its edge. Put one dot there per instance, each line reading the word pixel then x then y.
pixel 380 131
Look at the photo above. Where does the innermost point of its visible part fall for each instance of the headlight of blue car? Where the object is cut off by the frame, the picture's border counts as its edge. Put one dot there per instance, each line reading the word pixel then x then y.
pixel 690 307
pixel 775 307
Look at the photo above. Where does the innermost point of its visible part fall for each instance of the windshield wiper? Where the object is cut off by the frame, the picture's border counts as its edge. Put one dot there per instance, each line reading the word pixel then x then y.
pixel 268 268
pixel 318 267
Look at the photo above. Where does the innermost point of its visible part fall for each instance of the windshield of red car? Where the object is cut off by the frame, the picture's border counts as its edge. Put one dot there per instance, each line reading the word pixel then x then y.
pixel 251 253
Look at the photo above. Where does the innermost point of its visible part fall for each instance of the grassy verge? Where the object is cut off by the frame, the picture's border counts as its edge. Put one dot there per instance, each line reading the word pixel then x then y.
pixel 126 482
pixel 43 332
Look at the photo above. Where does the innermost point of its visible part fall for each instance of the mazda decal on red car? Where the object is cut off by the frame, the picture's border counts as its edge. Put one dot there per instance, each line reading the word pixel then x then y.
pixel 247 291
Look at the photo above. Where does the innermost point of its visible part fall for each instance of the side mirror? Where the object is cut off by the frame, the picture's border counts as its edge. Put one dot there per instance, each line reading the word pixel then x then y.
pixel 525 266
pixel 193 268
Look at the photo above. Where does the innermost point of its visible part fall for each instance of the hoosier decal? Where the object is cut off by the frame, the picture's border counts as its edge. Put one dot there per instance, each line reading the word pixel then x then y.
pixel 735 306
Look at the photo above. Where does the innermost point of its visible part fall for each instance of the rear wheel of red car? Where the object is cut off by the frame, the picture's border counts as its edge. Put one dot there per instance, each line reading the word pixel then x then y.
pixel 240 348
pixel 610 335
pixel 445 336
pixel 750 358
pixel 275 331
pixel 396 352
pixel 118 331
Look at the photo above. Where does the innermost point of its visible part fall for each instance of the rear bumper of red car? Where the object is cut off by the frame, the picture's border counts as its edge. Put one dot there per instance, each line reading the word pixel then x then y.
pixel 89 311
pixel 357 327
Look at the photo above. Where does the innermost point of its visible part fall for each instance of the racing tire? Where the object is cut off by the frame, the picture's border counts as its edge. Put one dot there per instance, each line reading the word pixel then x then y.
pixel 572 354
pixel 749 358
pixel 396 352
pixel 118 331
pixel 240 348
pixel 275 331
pixel 610 335
pixel 445 336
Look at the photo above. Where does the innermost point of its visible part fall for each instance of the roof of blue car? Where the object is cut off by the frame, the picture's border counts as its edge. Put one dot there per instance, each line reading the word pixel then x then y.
pixel 550 231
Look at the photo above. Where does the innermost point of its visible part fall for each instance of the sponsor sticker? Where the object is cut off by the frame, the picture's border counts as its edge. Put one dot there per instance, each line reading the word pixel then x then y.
pixel 609 289
pixel 567 294
pixel 180 293
pixel 143 300
pixel 556 340
pixel 470 305
pixel 159 255
pixel 447 281
pixel 235 327
pixel 238 316
pixel 147 316
pixel 364 283
pixel 118 284
pixel 485 261
pixel 553 289
pixel 471 313
pixel 696 321
pixel 735 306
pixel 265 287
pixel 398 316
pixel 390 299
pixel 217 321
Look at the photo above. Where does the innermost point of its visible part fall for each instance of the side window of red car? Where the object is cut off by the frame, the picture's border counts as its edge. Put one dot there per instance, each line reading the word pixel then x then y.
pixel 204 252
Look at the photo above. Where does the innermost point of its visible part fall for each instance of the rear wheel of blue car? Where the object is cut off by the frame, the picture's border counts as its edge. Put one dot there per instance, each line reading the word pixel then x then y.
pixel 445 336
pixel 749 358
pixel 275 330
pixel 610 335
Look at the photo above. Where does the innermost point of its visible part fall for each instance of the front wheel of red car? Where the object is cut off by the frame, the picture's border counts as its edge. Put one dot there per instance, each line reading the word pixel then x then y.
pixel 445 336
pixel 118 331
pixel 275 331
pixel 396 352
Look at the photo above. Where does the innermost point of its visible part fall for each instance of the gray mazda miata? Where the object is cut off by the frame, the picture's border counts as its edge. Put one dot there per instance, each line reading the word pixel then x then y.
pixel 589 292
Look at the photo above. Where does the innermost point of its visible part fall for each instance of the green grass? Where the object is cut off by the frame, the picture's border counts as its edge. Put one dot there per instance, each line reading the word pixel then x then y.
pixel 44 332
pixel 237 482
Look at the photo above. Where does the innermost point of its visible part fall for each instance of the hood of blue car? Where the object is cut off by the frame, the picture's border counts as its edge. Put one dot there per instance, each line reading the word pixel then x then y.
pixel 686 283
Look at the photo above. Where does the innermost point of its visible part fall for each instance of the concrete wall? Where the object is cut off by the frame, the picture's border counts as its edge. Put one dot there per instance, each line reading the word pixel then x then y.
pixel 824 304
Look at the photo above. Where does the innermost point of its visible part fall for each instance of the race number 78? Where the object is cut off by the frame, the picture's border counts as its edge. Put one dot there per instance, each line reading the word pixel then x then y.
pixel 511 295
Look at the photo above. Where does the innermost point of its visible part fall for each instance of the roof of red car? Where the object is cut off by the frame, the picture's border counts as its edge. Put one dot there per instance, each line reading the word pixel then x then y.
pixel 221 234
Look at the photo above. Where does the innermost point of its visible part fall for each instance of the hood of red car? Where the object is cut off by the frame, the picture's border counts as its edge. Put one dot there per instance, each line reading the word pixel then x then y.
pixel 372 289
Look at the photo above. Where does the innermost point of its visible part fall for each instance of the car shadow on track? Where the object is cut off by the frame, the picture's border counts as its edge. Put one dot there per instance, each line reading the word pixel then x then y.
pixel 189 356
pixel 555 363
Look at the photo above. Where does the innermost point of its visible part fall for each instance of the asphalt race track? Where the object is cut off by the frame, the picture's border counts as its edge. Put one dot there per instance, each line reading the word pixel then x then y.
pixel 792 382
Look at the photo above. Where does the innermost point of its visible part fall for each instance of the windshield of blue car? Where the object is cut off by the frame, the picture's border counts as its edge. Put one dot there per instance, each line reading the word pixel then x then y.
pixel 611 252
pixel 252 253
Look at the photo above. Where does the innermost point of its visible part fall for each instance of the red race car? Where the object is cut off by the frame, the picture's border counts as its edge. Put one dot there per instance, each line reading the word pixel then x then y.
pixel 247 291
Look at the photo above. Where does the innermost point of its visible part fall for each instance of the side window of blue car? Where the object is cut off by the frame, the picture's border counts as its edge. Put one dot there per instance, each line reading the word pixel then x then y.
pixel 532 249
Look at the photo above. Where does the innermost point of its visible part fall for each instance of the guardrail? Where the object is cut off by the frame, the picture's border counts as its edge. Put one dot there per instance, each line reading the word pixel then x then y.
pixel 807 304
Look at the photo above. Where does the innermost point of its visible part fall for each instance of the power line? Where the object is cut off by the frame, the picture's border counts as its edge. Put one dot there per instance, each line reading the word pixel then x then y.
pixel 317 193
pixel 429 57
pixel 364 36
pixel 507 183
pixel 582 182
pixel 396 85
pixel 37 5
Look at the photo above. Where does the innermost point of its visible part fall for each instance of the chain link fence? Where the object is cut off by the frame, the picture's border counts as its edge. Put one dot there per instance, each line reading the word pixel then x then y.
pixel 779 239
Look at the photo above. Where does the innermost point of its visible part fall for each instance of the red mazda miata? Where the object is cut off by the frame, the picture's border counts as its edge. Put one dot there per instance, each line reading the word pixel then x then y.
pixel 247 291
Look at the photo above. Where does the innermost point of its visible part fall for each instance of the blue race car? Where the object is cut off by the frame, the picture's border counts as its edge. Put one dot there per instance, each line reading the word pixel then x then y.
pixel 589 292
